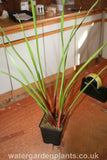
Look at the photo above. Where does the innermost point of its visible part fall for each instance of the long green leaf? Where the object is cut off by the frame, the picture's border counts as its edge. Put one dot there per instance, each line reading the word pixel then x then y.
pixel 83 66
pixel 29 91
pixel 62 60
pixel 37 45
pixel 86 87
pixel 24 77
pixel 71 37
pixel 61 90
pixel 19 57
pixel 81 93
pixel 34 63
pixel 63 73
pixel 73 85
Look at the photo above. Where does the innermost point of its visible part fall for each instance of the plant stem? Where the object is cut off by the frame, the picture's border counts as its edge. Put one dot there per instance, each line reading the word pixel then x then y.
pixel 51 118
pixel 63 73
pixel 54 106
pixel 59 120
pixel 72 86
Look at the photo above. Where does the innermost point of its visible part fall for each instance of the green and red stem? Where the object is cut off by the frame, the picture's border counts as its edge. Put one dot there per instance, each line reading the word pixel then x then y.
pixel 52 120
pixel 54 106
pixel 59 120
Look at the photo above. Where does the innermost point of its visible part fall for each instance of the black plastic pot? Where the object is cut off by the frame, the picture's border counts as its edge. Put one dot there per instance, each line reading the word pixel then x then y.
pixel 52 136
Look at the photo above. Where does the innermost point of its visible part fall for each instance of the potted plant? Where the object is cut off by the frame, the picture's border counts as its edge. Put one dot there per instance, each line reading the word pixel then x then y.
pixel 53 120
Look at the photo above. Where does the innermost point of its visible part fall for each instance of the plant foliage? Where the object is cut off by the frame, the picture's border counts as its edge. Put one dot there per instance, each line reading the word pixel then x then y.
pixel 40 93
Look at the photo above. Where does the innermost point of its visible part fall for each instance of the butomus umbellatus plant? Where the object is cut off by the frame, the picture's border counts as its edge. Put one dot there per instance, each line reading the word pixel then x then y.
pixel 40 95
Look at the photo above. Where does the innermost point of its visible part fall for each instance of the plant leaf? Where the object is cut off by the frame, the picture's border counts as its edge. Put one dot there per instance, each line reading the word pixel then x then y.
pixel 81 93
pixel 37 44
pixel 24 77
pixel 28 90
pixel 83 66
pixel 63 73
pixel 34 63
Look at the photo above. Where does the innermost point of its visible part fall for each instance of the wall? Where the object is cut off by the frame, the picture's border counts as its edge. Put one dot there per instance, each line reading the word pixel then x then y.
pixel 46 2
pixel 14 5
pixel 10 5
pixel 86 4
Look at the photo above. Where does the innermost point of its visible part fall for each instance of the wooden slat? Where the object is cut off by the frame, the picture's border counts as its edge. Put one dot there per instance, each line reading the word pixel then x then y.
pixel 48 33
pixel 6 96
pixel 22 40
pixel 68 17
pixel 10 26
pixel 26 27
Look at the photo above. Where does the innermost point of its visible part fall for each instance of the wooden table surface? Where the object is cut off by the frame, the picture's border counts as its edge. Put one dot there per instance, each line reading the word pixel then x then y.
pixel 8 24
pixel 85 132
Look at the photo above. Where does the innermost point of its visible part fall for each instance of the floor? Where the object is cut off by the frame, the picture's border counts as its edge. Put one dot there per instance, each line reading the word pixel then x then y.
pixel 85 132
